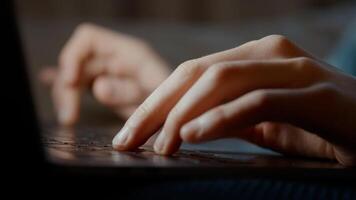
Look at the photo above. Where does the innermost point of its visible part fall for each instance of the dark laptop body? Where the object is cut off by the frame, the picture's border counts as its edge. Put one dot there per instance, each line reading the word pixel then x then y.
pixel 29 157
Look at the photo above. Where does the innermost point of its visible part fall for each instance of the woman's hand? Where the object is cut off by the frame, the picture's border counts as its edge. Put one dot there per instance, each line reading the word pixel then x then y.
pixel 120 70
pixel 269 92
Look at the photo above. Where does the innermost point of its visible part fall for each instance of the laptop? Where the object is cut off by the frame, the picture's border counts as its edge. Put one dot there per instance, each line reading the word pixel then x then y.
pixel 86 151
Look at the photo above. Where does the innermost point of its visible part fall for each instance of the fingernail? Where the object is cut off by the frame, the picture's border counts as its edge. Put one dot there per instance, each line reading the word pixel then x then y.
pixel 159 143
pixel 120 139
pixel 190 130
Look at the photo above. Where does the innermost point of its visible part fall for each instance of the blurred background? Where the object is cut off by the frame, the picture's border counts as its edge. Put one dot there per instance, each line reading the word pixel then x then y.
pixel 173 10
pixel 178 29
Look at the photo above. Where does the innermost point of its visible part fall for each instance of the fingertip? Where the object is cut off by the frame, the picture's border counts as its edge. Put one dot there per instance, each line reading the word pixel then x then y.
pixel 158 146
pixel 165 145
pixel 119 142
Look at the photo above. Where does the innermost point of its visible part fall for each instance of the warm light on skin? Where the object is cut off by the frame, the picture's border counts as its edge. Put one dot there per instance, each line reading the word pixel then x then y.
pixel 269 92
pixel 97 57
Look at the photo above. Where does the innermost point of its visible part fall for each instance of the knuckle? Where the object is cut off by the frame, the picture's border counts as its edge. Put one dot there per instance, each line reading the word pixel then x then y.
pixel 84 27
pixel 308 67
pixel 274 128
pixel 327 91
pixel 305 61
pixel 278 40
pixel 190 68
pixel 271 133
pixel 262 99
pixel 277 43
pixel 217 73
pixel 82 32
pixel 304 64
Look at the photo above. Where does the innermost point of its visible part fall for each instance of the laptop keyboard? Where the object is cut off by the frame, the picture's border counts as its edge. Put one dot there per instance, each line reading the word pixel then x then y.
pixel 92 145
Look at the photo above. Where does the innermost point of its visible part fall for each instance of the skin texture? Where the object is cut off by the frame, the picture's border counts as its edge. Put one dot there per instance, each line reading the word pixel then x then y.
pixel 268 91
pixel 102 61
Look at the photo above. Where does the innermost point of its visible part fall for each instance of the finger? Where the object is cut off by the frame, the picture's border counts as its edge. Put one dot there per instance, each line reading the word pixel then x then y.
pixel 116 92
pixel 240 114
pixel 107 90
pixel 75 52
pixel 90 41
pixel 277 105
pixel 146 120
pixel 67 103
pixel 66 97
pixel 67 87
pixel 48 76
pixel 227 81
pixel 283 138
pixel 290 140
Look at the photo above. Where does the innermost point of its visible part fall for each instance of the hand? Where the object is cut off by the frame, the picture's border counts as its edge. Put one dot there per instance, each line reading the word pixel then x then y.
pixel 269 92
pixel 120 70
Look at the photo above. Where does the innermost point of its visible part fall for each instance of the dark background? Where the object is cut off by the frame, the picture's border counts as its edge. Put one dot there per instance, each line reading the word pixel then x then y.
pixel 175 10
